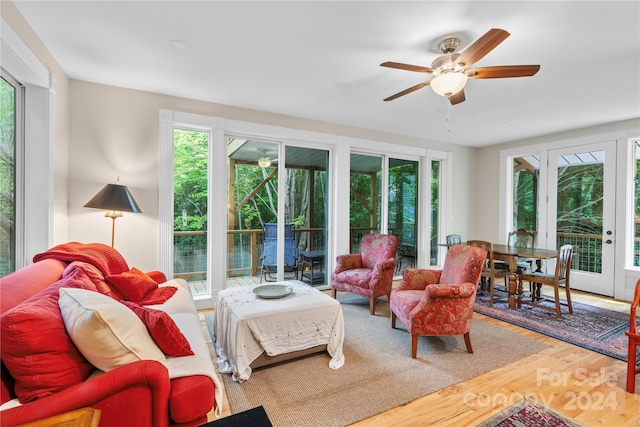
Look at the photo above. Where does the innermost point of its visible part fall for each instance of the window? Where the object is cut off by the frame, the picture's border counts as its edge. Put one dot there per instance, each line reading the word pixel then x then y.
pixel 261 174
pixel 435 212
pixel 10 100
pixel 525 192
pixel 190 199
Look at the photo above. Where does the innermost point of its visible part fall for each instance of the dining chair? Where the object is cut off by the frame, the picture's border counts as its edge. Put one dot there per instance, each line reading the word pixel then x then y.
pixel 522 238
pixel 634 343
pixel 489 272
pixel 453 239
pixel 560 277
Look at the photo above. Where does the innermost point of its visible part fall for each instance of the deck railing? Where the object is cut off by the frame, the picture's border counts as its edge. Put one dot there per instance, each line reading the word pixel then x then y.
pixel 245 249
pixel 587 250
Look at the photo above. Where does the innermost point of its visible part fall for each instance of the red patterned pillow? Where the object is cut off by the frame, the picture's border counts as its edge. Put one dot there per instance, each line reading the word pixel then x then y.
pixel 35 347
pixel 162 329
pixel 133 285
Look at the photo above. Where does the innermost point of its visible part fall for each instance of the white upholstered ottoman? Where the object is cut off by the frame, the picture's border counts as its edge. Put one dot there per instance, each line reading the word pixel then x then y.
pixel 251 331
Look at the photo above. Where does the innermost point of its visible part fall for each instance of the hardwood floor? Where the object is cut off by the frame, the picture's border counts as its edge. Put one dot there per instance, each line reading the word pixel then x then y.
pixel 586 386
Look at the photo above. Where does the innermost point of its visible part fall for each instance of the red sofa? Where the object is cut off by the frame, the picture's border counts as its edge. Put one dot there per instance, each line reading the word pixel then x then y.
pixel 141 393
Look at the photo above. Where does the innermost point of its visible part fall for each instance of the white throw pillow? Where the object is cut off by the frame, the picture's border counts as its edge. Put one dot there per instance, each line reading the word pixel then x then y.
pixel 107 333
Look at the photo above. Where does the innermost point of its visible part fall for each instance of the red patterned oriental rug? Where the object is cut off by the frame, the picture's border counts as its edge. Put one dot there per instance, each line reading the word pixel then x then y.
pixel 529 413
pixel 594 328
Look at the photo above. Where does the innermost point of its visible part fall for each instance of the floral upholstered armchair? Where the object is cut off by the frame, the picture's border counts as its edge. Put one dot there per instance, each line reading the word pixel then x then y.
pixel 439 302
pixel 370 272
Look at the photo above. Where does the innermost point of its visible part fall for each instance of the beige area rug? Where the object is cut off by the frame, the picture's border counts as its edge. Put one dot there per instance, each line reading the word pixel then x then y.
pixel 378 373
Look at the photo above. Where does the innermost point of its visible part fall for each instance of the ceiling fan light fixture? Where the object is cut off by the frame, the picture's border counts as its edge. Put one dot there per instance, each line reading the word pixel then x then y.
pixel 447 84
pixel 264 162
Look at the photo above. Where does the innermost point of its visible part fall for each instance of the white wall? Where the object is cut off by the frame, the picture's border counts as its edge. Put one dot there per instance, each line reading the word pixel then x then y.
pixel 115 132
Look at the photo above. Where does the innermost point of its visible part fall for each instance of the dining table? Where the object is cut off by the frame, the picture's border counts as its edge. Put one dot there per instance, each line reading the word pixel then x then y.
pixel 510 254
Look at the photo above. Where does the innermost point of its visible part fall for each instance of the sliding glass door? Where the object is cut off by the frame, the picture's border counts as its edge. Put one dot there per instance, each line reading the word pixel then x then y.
pixel 277 216
pixel 371 177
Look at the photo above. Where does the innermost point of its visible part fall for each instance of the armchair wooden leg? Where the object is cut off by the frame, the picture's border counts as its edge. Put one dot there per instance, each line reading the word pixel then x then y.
pixel 372 306
pixel 414 346
pixel 393 320
pixel 467 341
pixel 631 367
pixel 334 293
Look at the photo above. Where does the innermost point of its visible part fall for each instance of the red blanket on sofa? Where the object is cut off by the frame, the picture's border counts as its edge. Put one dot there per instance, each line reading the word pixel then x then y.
pixel 105 258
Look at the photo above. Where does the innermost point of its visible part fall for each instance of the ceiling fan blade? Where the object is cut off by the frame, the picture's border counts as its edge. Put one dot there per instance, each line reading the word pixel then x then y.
pixel 503 71
pixel 457 97
pixel 481 47
pixel 406 91
pixel 407 67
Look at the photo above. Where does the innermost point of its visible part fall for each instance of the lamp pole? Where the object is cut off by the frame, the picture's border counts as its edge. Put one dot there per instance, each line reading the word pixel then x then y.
pixel 113 215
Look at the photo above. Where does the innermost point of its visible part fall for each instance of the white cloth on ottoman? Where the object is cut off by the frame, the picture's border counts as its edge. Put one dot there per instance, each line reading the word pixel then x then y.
pixel 245 326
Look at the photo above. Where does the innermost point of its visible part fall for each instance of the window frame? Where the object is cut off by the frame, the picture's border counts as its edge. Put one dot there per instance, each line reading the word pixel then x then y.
pixel 35 181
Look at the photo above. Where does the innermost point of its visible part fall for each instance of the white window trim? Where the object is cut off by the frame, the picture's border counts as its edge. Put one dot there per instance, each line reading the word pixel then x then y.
pixel 628 165
pixel 216 226
pixel 35 183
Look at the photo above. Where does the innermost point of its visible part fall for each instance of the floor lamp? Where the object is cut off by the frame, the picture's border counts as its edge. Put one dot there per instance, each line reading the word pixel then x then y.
pixel 115 199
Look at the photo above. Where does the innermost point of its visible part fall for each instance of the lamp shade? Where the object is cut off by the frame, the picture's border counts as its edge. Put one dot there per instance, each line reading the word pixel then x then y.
pixel 447 84
pixel 114 197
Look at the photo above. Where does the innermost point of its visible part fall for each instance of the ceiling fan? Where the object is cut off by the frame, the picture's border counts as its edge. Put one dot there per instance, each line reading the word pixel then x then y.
pixel 451 70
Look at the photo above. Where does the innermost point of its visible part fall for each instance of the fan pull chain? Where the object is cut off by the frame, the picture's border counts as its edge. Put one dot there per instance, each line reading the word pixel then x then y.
pixel 449 116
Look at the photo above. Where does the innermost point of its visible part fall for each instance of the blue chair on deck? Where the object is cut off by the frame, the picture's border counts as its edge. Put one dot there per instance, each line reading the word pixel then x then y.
pixel 270 253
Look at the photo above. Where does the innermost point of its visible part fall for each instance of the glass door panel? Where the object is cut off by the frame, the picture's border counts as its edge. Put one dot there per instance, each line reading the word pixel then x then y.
pixel 403 209
pixel 252 202
pixel 582 201
pixel 306 206
pixel 526 172
pixel 365 197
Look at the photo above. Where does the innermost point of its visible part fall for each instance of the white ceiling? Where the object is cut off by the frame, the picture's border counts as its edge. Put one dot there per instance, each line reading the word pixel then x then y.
pixel 321 60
